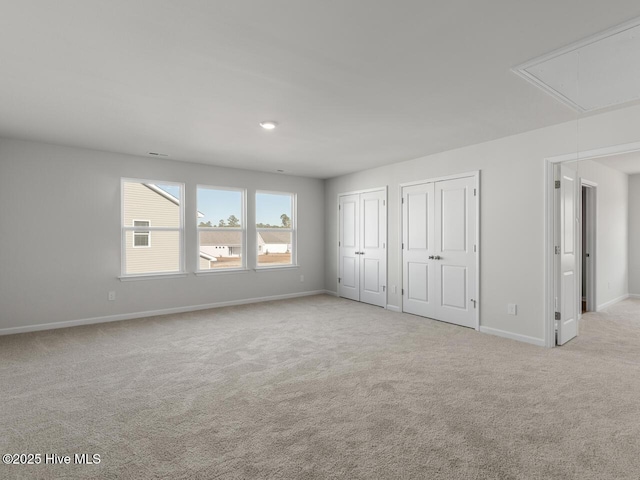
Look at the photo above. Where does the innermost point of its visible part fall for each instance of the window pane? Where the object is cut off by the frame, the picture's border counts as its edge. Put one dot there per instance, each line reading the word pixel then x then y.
pixel 220 249
pixel 274 248
pixel 156 203
pixel 219 208
pixel 163 254
pixel 273 210
pixel 141 239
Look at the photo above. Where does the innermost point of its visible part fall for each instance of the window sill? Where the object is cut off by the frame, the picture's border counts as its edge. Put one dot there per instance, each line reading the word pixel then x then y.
pixel 152 276
pixel 220 271
pixel 282 267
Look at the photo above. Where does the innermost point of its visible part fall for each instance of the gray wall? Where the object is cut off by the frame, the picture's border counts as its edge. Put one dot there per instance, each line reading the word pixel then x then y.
pixel 634 234
pixel 612 260
pixel 60 236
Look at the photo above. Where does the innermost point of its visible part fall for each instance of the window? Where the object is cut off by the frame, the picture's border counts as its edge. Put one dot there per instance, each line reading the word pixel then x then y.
pixel 152 209
pixel 276 229
pixel 141 238
pixel 221 228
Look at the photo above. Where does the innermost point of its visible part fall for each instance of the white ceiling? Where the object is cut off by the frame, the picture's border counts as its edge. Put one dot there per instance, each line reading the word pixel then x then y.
pixel 354 84
pixel 628 163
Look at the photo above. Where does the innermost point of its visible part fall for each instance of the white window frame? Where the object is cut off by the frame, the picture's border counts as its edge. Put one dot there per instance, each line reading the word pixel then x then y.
pixel 242 229
pixel 293 229
pixel 130 228
pixel 141 232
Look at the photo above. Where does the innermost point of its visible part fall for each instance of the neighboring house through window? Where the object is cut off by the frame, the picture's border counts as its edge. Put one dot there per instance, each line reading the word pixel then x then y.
pixel 276 229
pixel 221 228
pixel 152 209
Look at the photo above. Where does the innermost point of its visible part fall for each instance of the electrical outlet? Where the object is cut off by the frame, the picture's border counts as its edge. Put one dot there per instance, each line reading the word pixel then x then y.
pixel 512 309
pixel 112 296
pixel 301 278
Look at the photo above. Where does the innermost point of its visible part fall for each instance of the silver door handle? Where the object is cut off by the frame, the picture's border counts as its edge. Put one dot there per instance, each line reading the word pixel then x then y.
pixel 431 257
pixel 437 257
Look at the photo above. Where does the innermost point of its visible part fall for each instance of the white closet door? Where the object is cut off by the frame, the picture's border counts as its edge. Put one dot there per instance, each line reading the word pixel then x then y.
pixel 349 238
pixel 566 277
pixel 454 260
pixel 439 224
pixel 373 254
pixel 418 240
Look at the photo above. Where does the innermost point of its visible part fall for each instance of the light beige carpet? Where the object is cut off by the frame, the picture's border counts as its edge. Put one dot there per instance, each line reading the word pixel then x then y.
pixel 320 387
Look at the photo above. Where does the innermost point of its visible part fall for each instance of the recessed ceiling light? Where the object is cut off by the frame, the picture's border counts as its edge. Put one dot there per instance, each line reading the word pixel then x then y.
pixel 268 124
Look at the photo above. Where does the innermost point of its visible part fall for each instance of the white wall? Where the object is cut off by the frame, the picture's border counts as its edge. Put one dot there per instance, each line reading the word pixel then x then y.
pixel 634 234
pixel 612 230
pixel 60 236
pixel 512 203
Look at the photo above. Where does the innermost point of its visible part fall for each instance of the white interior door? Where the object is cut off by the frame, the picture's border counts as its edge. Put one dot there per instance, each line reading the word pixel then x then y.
pixel 373 253
pixel 417 246
pixel 567 295
pixel 455 256
pixel 349 247
pixel 439 251
pixel 362 247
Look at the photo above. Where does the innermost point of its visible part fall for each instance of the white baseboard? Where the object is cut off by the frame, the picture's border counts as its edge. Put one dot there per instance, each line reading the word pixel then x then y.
pixel 152 313
pixel 394 308
pixel 329 292
pixel 513 336
pixel 634 295
pixel 611 302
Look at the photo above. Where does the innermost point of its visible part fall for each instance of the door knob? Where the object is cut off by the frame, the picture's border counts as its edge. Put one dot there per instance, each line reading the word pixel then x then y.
pixel 431 257
pixel 437 257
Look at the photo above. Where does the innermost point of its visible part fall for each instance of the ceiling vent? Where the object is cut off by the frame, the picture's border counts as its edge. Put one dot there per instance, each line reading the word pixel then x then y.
pixel 597 72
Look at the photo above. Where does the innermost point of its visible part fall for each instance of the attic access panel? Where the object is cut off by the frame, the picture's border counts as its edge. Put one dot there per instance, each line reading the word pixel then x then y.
pixel 597 72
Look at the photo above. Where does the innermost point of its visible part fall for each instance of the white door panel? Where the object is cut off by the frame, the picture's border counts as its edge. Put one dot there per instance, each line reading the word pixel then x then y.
pixel 453 218
pixel 417 238
pixel 417 284
pixel 349 285
pixel 439 258
pixel 363 258
pixel 417 208
pixel 454 286
pixel 373 252
pixel 567 264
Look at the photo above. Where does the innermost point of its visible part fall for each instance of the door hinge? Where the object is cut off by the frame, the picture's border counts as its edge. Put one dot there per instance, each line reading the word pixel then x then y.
pixel 384 203
pixel 384 288
pixel 403 291
pixel 338 243
pixel 402 199
pixel 474 248
pixel 557 183
pixel 475 192
pixel 558 316
pixel 339 279
pixel 557 250
pixel 402 246
pixel 384 245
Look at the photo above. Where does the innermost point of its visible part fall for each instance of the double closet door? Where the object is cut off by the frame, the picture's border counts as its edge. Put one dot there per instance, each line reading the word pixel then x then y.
pixel 362 247
pixel 439 223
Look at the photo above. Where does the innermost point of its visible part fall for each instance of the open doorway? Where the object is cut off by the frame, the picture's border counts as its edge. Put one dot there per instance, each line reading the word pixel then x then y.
pixel 590 235
pixel 589 251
